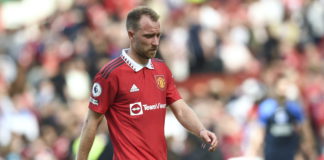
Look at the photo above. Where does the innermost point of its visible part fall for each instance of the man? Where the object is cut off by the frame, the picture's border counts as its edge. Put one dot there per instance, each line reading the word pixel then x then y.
pixel 132 92
pixel 283 126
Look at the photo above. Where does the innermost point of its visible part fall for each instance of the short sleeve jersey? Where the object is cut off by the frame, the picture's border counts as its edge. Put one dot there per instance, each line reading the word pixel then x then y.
pixel 134 99
pixel 268 107
pixel 281 140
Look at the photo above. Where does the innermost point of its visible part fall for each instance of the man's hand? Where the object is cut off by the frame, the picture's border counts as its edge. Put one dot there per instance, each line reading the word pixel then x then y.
pixel 210 138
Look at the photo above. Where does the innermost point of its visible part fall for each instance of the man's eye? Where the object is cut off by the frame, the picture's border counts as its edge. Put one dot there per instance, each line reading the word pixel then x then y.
pixel 149 36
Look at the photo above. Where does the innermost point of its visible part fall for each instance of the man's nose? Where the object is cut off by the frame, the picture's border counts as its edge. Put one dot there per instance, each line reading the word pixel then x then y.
pixel 156 41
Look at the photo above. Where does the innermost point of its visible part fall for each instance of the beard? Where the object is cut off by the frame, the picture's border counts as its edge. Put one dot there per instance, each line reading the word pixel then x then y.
pixel 145 53
pixel 151 53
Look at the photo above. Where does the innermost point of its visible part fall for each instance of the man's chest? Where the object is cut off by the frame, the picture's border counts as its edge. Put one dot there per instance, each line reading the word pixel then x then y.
pixel 141 92
pixel 146 85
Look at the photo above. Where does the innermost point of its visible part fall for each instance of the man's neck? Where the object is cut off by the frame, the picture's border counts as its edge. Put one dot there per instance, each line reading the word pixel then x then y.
pixel 136 57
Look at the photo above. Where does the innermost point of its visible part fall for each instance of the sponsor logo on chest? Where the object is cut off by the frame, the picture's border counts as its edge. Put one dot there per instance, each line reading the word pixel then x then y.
pixel 138 108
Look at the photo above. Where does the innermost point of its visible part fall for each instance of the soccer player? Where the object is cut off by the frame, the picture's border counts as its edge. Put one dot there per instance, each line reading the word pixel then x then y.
pixel 132 92
pixel 283 126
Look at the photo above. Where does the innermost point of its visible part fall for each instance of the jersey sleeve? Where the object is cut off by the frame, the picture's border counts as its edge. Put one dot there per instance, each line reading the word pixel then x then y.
pixel 266 109
pixel 103 93
pixel 172 93
pixel 296 109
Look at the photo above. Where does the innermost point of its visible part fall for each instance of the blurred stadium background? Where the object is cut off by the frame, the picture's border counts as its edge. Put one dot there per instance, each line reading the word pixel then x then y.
pixel 225 56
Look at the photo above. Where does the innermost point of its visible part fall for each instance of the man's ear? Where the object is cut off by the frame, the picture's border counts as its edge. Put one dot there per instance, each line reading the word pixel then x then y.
pixel 131 34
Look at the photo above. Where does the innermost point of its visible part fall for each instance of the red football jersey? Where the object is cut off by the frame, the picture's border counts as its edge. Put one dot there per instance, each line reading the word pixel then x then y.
pixel 134 99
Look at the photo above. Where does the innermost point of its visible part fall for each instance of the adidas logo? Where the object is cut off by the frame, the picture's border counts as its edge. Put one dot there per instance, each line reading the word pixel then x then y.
pixel 134 88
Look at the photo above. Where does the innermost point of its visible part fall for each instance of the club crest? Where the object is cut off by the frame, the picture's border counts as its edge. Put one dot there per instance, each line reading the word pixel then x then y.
pixel 160 81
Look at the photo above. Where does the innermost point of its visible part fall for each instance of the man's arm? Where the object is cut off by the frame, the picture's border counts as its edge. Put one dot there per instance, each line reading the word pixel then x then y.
pixel 308 142
pixel 88 133
pixel 190 121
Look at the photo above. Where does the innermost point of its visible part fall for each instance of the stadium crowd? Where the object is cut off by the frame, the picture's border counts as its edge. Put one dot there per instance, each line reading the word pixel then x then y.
pixel 225 56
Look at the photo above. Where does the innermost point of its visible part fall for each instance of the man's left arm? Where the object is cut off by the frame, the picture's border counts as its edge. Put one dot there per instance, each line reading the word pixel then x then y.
pixel 303 126
pixel 187 117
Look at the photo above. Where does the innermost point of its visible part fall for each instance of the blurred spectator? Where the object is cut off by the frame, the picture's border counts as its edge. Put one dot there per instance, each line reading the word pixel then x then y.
pixel 283 123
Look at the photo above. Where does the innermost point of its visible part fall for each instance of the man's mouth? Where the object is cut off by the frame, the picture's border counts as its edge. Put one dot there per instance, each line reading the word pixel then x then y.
pixel 153 49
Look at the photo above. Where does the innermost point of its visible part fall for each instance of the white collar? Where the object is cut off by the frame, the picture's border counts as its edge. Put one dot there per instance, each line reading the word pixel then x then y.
pixel 134 65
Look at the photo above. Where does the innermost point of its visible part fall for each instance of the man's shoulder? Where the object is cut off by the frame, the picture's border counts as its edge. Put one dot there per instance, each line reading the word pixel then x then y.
pixel 109 67
pixel 267 107
pixel 158 62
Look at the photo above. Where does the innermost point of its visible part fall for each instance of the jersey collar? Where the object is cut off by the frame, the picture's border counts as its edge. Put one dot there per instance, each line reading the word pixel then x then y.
pixel 134 65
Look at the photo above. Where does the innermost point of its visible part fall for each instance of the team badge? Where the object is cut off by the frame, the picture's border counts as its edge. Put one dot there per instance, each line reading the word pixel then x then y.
pixel 136 109
pixel 160 81
pixel 96 89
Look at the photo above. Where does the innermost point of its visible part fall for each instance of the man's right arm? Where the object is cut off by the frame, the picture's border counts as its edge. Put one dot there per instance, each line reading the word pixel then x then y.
pixel 88 133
